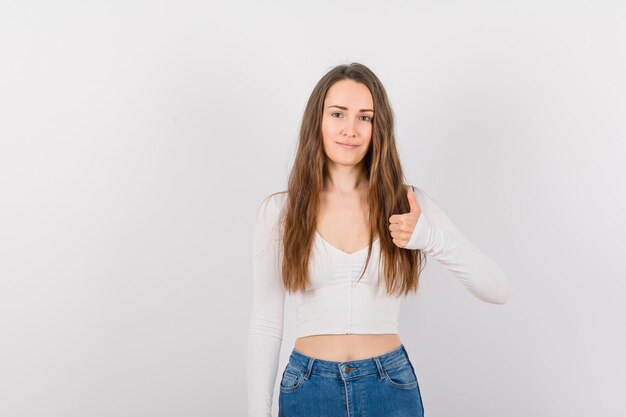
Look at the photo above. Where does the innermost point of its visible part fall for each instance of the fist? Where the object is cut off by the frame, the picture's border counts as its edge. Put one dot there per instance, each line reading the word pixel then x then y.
pixel 401 225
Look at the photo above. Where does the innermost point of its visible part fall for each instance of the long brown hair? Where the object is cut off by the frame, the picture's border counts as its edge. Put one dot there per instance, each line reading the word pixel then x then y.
pixel 387 191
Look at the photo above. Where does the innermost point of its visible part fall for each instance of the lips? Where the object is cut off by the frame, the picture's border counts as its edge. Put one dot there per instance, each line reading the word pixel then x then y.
pixel 347 145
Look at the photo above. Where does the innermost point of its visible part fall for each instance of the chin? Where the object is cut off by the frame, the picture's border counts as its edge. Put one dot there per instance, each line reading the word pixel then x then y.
pixel 339 161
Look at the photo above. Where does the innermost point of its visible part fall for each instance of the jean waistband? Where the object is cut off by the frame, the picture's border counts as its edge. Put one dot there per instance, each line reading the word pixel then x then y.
pixel 358 367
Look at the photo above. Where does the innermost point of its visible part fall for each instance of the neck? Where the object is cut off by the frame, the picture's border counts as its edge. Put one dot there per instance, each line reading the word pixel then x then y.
pixel 345 179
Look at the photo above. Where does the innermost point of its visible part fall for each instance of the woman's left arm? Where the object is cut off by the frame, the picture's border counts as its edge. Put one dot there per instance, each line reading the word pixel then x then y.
pixel 438 237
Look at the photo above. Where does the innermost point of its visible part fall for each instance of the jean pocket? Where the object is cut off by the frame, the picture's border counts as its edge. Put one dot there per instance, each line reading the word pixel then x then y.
pixel 401 376
pixel 292 378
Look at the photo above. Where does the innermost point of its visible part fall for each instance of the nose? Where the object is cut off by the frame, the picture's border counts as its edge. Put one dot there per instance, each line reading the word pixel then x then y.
pixel 349 129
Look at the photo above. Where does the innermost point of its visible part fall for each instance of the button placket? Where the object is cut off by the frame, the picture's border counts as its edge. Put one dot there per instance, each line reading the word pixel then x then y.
pixel 351 295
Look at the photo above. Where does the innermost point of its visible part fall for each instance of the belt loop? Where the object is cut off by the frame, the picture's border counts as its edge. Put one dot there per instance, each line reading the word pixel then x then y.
pixel 307 374
pixel 381 373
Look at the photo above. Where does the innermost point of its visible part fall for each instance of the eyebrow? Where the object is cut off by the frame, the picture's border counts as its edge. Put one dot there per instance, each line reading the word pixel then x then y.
pixel 345 108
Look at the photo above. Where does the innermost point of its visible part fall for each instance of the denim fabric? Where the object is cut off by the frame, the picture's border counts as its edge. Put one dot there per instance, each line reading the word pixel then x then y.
pixel 381 386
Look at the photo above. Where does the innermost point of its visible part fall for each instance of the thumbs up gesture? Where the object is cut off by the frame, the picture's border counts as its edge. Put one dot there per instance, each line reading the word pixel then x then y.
pixel 401 225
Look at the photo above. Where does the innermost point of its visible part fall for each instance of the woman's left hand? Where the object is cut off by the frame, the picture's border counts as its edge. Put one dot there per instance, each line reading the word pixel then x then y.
pixel 401 225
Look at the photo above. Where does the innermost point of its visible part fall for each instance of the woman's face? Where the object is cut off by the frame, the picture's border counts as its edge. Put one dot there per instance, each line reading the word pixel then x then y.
pixel 347 122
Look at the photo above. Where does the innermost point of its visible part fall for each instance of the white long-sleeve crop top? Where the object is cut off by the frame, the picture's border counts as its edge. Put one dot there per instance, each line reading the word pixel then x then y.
pixel 336 303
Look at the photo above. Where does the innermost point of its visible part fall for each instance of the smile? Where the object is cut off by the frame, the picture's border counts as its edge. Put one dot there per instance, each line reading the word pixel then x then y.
pixel 343 145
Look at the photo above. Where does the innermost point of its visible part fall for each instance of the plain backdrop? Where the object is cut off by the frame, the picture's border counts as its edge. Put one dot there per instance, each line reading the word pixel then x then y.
pixel 137 140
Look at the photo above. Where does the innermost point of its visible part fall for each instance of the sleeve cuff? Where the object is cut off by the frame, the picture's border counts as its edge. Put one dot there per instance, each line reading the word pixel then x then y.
pixel 420 236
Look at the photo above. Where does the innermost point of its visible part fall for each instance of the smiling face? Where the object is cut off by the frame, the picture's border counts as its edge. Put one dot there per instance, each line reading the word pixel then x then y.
pixel 347 122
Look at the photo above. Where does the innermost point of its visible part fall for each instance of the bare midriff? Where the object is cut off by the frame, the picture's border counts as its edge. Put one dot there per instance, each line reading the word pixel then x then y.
pixel 347 347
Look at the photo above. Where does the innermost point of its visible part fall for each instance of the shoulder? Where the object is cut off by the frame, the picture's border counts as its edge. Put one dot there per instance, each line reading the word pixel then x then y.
pixel 420 195
pixel 273 203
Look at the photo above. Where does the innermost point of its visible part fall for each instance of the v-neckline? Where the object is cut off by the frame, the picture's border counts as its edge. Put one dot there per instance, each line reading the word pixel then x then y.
pixel 342 251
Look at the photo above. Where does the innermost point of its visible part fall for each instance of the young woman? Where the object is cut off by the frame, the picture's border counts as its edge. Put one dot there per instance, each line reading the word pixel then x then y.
pixel 348 239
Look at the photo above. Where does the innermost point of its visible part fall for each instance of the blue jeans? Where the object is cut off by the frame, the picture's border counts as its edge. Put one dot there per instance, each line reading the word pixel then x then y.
pixel 381 386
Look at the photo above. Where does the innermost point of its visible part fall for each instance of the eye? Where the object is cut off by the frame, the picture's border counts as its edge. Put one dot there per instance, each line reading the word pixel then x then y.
pixel 367 118
pixel 333 113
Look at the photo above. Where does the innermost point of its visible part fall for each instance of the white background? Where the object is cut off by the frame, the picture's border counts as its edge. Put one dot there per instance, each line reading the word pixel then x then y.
pixel 137 140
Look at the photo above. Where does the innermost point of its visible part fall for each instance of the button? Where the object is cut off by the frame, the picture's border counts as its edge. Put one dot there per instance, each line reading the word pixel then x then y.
pixel 348 369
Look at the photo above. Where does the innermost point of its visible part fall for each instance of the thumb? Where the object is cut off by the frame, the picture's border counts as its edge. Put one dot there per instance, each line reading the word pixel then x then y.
pixel 412 200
